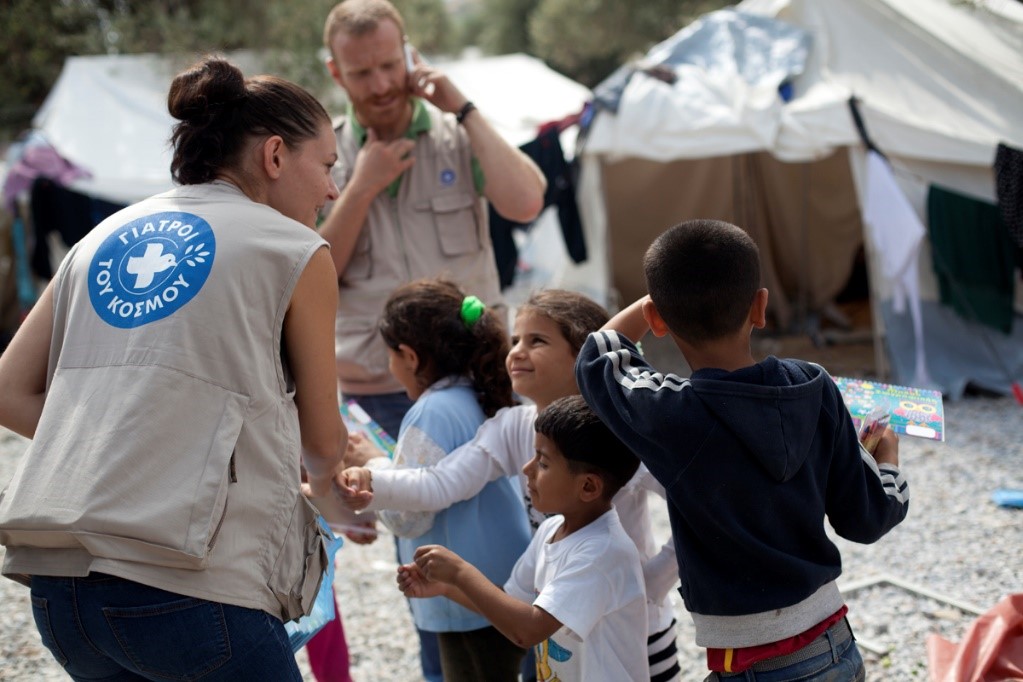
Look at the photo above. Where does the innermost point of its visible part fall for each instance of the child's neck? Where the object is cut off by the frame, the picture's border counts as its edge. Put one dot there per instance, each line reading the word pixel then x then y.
pixel 730 354
pixel 577 519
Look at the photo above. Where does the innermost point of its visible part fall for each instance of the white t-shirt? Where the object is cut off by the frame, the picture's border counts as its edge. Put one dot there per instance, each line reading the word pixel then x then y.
pixel 592 582
pixel 501 447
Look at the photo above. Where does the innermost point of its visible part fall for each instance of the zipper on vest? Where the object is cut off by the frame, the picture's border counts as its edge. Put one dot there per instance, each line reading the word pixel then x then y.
pixel 401 239
pixel 233 475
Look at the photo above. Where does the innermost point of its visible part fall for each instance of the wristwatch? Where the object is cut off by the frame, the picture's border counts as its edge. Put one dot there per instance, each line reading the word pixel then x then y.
pixel 464 111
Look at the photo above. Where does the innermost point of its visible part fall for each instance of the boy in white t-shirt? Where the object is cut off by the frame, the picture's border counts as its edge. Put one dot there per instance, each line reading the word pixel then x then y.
pixel 577 593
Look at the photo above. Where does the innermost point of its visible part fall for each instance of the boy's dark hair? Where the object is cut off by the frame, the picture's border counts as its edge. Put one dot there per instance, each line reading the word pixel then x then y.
pixel 702 276
pixel 575 314
pixel 586 443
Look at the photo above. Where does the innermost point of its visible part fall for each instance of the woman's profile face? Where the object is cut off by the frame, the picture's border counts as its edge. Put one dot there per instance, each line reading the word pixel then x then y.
pixel 305 183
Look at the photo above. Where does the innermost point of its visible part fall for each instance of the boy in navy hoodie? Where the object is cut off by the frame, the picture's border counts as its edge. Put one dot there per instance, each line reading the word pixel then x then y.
pixel 753 456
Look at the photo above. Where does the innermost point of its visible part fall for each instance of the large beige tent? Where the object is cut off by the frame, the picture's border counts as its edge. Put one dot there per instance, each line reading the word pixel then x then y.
pixel 699 128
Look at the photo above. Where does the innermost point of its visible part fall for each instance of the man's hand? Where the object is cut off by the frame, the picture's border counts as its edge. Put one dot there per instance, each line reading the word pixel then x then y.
pixel 354 487
pixel 379 162
pixel 415 585
pixel 427 82
pixel 438 564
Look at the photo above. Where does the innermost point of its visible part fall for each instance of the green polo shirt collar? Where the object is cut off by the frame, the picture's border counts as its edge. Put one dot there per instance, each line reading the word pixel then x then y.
pixel 420 124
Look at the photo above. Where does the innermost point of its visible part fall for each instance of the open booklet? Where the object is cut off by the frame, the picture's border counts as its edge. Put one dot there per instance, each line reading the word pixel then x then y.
pixel 357 420
pixel 913 411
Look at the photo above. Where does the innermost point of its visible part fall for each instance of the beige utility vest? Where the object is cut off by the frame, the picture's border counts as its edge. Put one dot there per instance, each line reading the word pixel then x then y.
pixel 436 225
pixel 168 450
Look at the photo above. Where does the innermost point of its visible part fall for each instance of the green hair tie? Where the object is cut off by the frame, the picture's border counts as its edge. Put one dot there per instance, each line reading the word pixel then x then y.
pixel 472 310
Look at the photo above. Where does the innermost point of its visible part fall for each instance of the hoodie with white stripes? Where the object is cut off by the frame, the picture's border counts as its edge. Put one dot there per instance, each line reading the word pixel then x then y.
pixel 752 462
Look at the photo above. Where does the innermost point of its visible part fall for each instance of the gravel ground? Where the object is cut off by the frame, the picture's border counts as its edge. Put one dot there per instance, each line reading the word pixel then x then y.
pixel 956 543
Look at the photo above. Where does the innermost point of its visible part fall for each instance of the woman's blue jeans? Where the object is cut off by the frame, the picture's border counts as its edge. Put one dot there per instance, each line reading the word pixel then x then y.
pixel 104 627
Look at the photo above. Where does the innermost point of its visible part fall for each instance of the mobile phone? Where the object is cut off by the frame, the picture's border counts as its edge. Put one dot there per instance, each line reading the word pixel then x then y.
pixel 410 66
pixel 410 63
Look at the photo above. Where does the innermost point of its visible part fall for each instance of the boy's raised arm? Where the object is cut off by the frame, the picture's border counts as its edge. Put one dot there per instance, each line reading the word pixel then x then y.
pixel 630 321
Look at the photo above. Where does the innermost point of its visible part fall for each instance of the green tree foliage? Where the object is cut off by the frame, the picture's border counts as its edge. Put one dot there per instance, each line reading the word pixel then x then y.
pixel 504 25
pixel 427 25
pixel 36 38
pixel 288 34
pixel 588 39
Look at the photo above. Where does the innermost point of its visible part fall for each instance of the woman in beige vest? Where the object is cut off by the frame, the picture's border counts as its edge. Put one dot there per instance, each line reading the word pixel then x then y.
pixel 174 377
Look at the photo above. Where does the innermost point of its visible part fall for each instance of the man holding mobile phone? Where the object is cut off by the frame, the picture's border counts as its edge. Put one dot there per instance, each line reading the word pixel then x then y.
pixel 414 182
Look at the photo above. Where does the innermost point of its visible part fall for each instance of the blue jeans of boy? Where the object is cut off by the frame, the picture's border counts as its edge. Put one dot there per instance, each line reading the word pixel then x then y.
pixel 842 664
pixel 104 627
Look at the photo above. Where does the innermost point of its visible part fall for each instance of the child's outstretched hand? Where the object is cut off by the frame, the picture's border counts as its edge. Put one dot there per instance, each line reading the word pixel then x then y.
pixel 438 564
pixel 354 487
pixel 887 450
pixel 360 450
pixel 414 585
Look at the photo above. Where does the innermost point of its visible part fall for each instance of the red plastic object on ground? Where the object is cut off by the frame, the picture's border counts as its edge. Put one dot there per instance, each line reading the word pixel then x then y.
pixel 991 649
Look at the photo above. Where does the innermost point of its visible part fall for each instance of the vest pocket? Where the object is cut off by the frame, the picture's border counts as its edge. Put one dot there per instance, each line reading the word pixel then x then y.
pixel 454 217
pixel 299 568
pixel 127 474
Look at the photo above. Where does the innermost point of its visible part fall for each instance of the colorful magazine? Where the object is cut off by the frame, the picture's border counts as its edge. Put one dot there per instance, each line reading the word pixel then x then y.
pixel 914 411
pixel 357 420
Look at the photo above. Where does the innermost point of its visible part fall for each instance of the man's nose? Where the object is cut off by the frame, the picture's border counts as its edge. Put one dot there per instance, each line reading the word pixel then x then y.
pixel 380 83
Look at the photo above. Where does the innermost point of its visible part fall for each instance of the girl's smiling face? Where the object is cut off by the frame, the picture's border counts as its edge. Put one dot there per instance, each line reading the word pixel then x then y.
pixel 541 362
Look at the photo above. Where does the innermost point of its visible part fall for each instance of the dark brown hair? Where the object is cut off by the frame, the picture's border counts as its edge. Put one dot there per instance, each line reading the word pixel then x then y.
pixel 575 314
pixel 426 315
pixel 703 275
pixel 218 110
pixel 586 443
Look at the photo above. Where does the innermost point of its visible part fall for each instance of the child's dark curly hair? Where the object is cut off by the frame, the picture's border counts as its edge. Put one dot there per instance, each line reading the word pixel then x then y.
pixel 426 315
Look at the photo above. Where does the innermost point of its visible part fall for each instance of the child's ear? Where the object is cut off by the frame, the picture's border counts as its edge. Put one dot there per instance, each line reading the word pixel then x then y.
pixel 592 487
pixel 409 357
pixel 653 319
pixel 758 310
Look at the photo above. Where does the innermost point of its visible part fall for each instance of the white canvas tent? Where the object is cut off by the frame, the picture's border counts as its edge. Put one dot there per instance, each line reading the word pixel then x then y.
pixel 108 114
pixel 938 84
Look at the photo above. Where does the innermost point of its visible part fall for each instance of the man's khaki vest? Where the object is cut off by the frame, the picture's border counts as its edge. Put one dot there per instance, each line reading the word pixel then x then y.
pixel 168 448
pixel 436 226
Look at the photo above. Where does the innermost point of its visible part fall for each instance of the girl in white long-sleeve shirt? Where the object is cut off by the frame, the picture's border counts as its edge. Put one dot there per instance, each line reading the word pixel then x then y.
pixel 549 330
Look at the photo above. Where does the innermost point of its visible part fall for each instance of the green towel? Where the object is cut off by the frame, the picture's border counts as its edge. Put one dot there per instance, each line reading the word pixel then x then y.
pixel 973 257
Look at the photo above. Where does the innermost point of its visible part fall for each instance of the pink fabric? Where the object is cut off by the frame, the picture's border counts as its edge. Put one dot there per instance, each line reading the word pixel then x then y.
pixel 38 160
pixel 328 651
pixel 991 650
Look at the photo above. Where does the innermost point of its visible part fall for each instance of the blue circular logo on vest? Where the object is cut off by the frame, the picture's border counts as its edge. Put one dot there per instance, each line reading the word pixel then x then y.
pixel 150 268
pixel 447 177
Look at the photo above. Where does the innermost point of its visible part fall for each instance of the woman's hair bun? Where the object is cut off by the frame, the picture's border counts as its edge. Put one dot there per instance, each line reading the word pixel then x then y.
pixel 200 92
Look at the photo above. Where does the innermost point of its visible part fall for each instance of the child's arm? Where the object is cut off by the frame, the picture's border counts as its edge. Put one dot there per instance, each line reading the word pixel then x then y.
pixel 867 493
pixel 887 450
pixel 522 623
pixel 630 322
pixel 501 446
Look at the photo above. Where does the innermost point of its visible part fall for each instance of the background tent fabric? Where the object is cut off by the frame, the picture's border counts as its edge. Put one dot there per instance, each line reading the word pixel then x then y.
pixel 108 114
pixel 938 86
